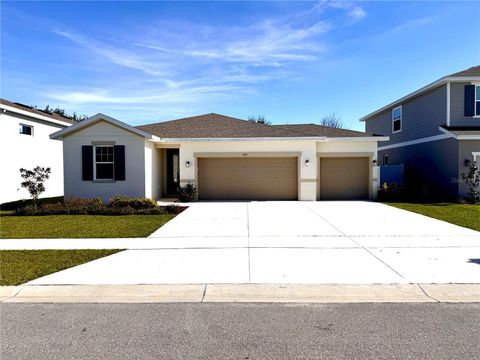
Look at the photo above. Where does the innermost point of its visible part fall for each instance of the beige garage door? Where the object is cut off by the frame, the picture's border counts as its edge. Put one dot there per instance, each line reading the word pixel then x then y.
pixel 247 178
pixel 344 178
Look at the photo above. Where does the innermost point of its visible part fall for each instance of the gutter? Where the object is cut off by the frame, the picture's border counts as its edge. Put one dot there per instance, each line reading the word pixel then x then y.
pixel 459 137
pixel 304 138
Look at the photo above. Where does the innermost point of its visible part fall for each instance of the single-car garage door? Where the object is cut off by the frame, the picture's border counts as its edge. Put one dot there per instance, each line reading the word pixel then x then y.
pixel 344 178
pixel 247 178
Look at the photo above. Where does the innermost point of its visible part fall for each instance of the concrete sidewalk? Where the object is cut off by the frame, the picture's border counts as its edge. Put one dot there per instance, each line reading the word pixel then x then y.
pixel 260 293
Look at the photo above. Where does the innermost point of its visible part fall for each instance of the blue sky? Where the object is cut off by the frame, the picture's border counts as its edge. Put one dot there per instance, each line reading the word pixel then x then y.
pixel 291 62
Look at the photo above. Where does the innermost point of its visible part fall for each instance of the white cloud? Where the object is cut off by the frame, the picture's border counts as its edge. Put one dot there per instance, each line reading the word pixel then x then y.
pixel 172 62
pixel 411 24
pixel 114 55
pixel 357 13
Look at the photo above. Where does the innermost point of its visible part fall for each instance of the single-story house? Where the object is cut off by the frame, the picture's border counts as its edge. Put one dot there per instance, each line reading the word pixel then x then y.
pixel 223 157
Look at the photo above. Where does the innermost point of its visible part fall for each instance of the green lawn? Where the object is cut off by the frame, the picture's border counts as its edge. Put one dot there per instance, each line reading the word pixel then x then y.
pixel 459 214
pixel 80 226
pixel 20 266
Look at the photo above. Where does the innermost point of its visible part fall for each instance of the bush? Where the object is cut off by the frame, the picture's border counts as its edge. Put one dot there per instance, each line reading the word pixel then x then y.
pixel 119 205
pixel 472 179
pixel 186 193
pixel 83 206
pixel 14 205
pixel 121 201
pixel 390 192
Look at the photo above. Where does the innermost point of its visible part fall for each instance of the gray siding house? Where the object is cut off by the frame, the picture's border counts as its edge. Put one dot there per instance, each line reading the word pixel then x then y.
pixel 434 133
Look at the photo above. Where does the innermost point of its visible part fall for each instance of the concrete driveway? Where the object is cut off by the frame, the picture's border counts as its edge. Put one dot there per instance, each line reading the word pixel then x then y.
pixel 290 242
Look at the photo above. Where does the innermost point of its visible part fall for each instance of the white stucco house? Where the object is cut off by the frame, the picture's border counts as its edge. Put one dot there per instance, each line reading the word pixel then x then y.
pixel 25 142
pixel 224 157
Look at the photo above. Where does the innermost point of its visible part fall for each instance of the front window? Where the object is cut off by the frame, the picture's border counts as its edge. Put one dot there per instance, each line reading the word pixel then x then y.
pixel 25 129
pixel 397 119
pixel 477 100
pixel 103 162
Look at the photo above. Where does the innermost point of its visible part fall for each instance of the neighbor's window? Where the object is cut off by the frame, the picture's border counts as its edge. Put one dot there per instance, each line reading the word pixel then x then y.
pixel 104 162
pixel 477 100
pixel 397 119
pixel 385 159
pixel 25 129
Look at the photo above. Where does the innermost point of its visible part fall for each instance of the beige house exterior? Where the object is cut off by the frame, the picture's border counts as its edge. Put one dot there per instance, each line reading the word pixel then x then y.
pixel 240 160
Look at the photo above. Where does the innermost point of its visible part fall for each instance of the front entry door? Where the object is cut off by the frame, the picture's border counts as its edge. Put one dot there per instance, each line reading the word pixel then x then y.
pixel 173 171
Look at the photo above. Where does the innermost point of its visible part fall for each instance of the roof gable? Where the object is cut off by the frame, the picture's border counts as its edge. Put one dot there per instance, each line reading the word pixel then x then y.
pixel 95 119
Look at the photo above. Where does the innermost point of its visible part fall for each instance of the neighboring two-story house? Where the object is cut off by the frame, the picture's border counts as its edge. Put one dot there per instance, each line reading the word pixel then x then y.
pixel 434 132
pixel 25 142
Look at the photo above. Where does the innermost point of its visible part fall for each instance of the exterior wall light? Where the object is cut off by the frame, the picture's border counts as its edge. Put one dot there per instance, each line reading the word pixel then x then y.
pixel 307 163
pixel 187 164
pixel 374 162
pixel 467 162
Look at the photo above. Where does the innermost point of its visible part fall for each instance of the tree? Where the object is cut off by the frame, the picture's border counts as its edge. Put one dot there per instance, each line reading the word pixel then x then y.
pixel 62 112
pixel 34 181
pixel 331 120
pixel 259 120
pixel 472 180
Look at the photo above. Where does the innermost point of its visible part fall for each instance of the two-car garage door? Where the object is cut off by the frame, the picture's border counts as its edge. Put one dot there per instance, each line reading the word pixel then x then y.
pixel 255 178
pixel 276 178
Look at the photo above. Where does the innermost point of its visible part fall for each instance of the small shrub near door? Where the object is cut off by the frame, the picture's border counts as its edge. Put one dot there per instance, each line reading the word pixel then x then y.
pixel 186 193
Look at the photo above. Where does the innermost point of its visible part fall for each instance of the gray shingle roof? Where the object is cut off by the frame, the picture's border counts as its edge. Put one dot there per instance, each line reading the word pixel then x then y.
pixel 319 130
pixel 221 126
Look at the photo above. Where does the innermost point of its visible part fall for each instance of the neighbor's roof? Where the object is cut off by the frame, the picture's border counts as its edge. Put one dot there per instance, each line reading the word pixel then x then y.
pixel 470 74
pixel 473 71
pixel 221 126
pixel 36 112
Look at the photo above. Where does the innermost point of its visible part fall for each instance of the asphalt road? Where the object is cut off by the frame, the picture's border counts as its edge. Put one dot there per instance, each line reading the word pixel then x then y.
pixel 239 331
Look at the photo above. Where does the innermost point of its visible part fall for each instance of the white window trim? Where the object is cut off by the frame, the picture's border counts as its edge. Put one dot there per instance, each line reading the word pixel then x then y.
pixel 102 162
pixel 30 126
pixel 448 104
pixel 476 157
pixel 477 85
pixel 401 119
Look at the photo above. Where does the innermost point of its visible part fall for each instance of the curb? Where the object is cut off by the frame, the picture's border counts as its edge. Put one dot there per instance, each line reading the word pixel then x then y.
pixel 244 293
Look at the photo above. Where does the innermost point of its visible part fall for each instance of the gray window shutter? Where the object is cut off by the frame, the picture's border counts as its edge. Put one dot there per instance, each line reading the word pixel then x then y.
pixel 119 162
pixel 87 162
pixel 469 100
